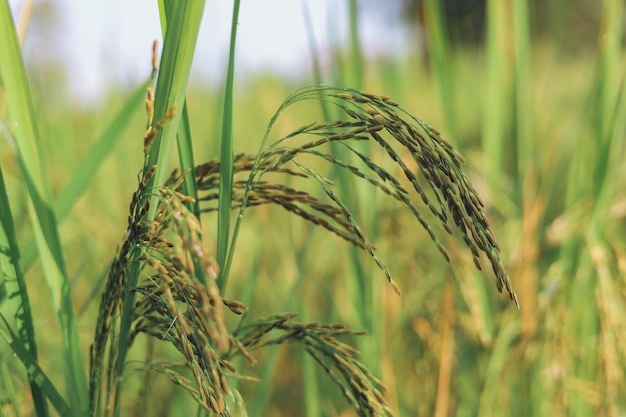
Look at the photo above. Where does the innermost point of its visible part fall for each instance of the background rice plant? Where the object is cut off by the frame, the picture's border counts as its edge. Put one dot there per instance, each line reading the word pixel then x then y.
pixel 542 131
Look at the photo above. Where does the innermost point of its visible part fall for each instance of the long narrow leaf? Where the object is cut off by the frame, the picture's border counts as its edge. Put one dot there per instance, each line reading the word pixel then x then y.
pixel 187 161
pixel 184 142
pixel 9 398
pixel 41 213
pixel 358 65
pixel 185 146
pixel 438 46
pixel 183 24
pixel 226 160
pixel 84 174
pixel 17 291
pixel 35 373
pixel 178 49
pixel 495 115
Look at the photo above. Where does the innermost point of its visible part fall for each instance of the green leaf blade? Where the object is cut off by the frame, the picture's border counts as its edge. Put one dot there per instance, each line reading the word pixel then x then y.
pixel 28 144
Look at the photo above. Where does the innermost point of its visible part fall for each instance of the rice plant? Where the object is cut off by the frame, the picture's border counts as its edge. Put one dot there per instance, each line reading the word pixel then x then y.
pixel 165 288
pixel 173 304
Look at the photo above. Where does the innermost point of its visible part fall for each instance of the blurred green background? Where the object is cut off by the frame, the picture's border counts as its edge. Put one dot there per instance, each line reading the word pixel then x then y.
pixel 532 94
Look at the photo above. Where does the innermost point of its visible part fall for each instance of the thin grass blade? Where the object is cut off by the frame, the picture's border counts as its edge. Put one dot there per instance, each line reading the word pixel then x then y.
pixel 185 147
pixel 184 142
pixel 84 174
pixel 41 213
pixel 356 54
pixel 438 46
pixel 183 24
pixel 16 289
pixel 10 400
pixel 226 160
pixel 35 373
pixel 495 115
pixel 178 48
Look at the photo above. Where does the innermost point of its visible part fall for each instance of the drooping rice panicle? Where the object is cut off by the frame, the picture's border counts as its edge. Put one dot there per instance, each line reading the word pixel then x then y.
pixel 443 186
pixel 320 340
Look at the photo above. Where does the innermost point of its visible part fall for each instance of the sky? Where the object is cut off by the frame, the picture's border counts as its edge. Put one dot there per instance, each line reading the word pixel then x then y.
pixel 99 43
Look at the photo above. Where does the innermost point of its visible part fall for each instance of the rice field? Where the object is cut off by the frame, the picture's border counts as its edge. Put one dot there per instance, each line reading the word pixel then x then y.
pixel 413 237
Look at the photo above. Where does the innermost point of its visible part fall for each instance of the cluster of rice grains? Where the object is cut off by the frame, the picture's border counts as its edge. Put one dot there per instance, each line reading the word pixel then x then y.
pixel 170 302
pixel 371 118
pixel 162 282
pixel 362 389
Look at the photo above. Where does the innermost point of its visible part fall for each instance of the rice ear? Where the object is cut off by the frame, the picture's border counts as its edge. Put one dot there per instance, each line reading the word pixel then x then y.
pixel 441 184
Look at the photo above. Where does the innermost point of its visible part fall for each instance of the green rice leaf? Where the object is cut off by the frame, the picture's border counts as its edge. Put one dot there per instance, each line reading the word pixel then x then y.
pixel 178 49
pixel 36 374
pixel 226 161
pixel 16 290
pixel 87 169
pixel 185 144
pixel 183 23
pixel 41 213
